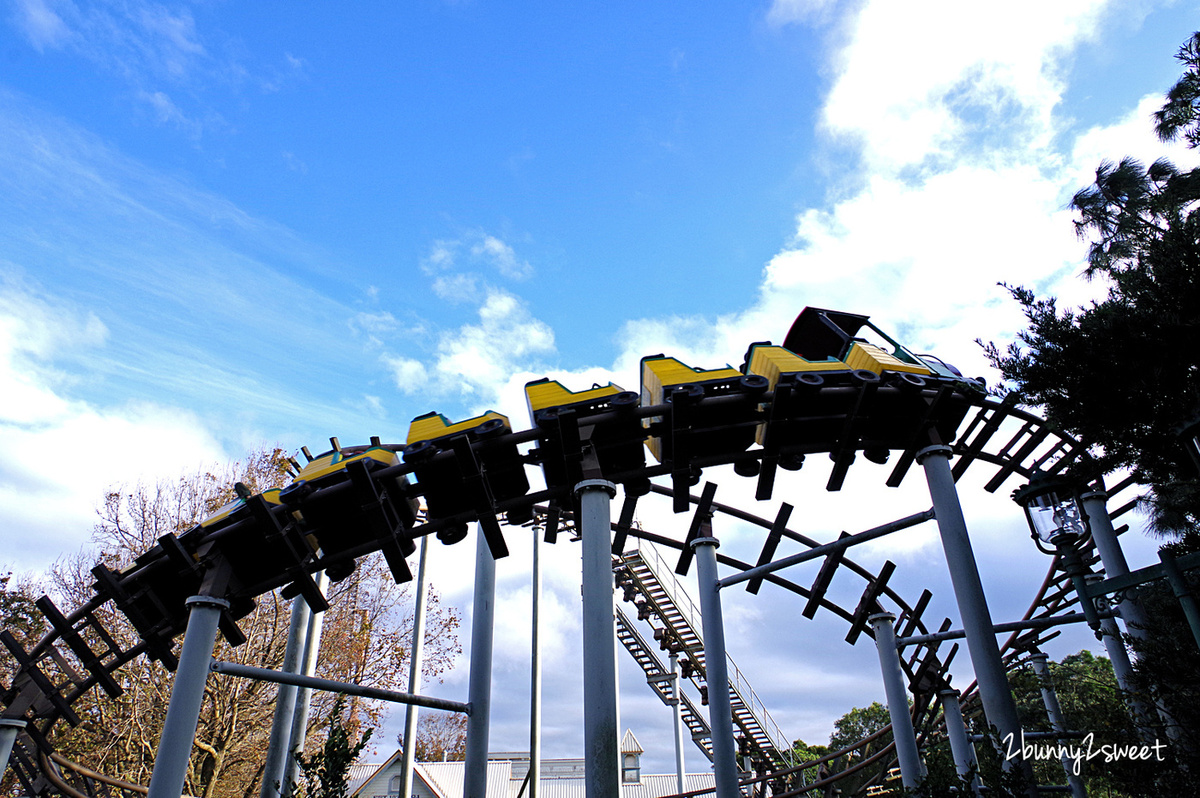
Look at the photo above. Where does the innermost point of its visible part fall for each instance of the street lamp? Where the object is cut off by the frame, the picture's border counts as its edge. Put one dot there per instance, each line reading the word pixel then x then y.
pixel 1059 525
pixel 1054 509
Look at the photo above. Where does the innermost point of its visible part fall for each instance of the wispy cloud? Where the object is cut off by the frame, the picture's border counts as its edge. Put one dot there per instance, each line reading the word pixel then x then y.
pixel 159 51
pixel 41 24
pixel 198 298
pixel 464 268
pixel 166 112
pixel 502 257
pixel 786 12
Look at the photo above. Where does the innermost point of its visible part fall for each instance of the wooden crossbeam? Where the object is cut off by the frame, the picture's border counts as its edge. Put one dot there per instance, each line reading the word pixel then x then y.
pixel 824 578
pixel 40 681
pixel 480 496
pixel 83 652
pixel 624 523
pixel 703 512
pixel 869 603
pixel 771 544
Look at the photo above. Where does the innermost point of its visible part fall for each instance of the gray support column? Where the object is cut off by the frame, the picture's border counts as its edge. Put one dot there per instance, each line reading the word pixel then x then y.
pixel 1054 712
pixel 285 703
pixel 414 671
pixel 1183 591
pixel 601 744
pixel 965 763
pixel 912 772
pixel 677 718
pixel 720 713
pixel 479 690
pixel 1113 558
pixel 998 705
pixel 187 693
pixel 1108 546
pixel 308 667
pixel 9 729
pixel 535 674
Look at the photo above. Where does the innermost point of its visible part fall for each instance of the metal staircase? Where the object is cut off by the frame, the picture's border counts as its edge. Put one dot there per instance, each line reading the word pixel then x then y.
pixel 648 581
pixel 662 681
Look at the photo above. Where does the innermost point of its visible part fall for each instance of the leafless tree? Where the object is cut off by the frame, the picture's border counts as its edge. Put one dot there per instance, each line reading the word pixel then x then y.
pixel 366 639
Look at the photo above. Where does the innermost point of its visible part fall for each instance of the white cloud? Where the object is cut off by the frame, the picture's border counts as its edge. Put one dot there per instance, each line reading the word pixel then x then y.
pixel 958 169
pixel 154 48
pixel 41 24
pixel 912 84
pixel 380 323
pixel 1132 136
pixel 410 376
pixel 785 12
pixel 63 454
pixel 458 265
pixel 456 287
pixel 475 362
pixel 172 34
pixel 166 112
pixel 502 257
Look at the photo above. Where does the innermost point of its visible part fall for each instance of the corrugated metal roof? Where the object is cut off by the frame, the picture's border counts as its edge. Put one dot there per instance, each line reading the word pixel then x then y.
pixel 446 778
pixel 561 779
pixel 630 744
pixel 649 787
pixel 357 776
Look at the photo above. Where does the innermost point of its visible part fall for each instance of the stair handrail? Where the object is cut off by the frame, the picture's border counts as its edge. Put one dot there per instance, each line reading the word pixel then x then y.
pixel 675 592
pixel 686 705
pixel 691 615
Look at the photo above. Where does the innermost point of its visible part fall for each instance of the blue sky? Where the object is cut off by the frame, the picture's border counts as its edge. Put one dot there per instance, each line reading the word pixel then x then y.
pixel 223 226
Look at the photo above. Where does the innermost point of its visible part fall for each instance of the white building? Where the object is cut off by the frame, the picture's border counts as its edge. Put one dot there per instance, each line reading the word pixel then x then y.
pixel 507 777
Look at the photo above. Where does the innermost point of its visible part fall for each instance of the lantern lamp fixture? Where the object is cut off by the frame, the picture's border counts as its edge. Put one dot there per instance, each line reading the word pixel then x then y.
pixel 1054 510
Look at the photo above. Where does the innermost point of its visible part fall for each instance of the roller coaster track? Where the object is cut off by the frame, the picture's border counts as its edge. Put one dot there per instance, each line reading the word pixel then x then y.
pixel 366 505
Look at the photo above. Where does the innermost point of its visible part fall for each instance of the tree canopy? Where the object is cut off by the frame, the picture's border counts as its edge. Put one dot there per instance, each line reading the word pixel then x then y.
pixel 1122 374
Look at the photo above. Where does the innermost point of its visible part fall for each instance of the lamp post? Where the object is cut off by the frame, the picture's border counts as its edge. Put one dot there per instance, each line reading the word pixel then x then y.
pixel 1060 524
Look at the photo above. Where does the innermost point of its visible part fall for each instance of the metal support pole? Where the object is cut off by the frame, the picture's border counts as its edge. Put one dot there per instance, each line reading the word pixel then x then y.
pixel 414 671
pixel 998 705
pixel 9 729
pixel 1109 634
pixel 1113 559
pixel 479 687
pixel 331 686
pixel 912 772
pixel 535 675
pixel 965 763
pixel 601 744
pixel 1133 614
pixel 187 693
pixel 1077 572
pixel 720 713
pixel 308 667
pixel 285 703
pixel 1054 712
pixel 1118 656
pixel 677 718
pixel 1183 591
